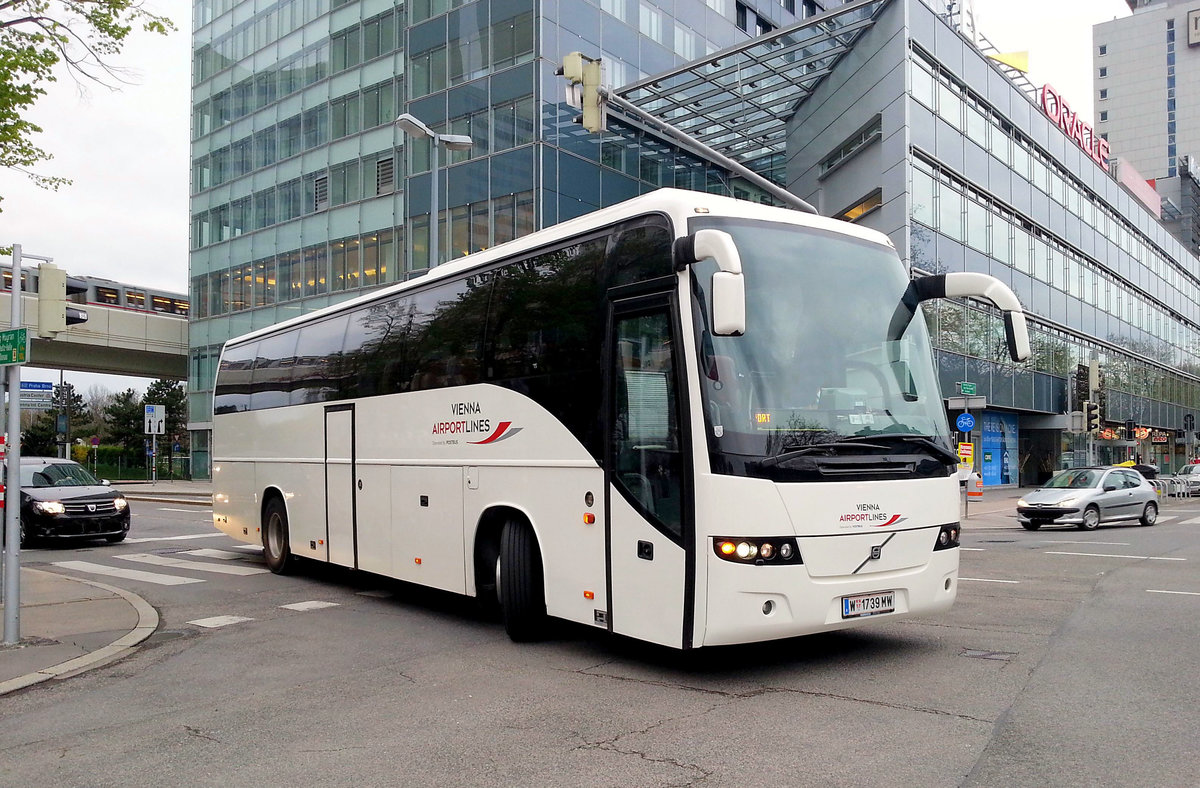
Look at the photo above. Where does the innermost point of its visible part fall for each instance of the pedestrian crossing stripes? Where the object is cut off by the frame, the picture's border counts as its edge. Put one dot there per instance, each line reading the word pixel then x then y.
pixel 225 555
pixel 219 621
pixel 128 574
pixel 196 566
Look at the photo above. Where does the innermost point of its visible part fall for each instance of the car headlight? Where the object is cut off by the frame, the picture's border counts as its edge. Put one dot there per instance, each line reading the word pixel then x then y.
pixel 119 504
pixel 1068 502
pixel 1021 502
pixel 49 507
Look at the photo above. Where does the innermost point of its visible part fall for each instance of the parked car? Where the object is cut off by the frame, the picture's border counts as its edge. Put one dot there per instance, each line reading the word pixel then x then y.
pixel 1190 475
pixel 1087 497
pixel 61 499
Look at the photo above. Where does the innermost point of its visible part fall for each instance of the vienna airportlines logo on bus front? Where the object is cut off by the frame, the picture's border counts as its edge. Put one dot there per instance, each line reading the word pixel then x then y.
pixel 869 515
pixel 468 422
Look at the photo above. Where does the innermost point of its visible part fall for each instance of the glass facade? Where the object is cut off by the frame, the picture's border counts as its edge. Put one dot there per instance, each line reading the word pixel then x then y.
pixel 304 193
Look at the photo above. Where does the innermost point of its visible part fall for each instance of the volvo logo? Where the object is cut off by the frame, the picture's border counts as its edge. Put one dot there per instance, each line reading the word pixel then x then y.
pixel 875 554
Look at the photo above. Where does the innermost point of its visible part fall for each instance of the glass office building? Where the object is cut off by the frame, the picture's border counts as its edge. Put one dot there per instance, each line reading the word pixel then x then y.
pixel 305 193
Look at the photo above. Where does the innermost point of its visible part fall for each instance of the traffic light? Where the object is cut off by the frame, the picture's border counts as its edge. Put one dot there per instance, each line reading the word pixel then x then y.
pixel 1091 415
pixel 587 73
pixel 54 315
pixel 1130 426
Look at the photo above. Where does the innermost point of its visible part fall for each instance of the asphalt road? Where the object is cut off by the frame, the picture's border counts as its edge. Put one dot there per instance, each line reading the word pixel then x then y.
pixel 1068 660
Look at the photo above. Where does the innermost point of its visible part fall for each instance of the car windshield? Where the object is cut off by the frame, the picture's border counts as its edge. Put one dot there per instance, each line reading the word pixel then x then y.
pixel 59 474
pixel 1074 479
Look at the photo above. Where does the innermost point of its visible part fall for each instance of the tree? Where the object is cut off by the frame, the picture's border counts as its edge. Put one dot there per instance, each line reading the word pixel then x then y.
pixel 123 418
pixel 36 36
pixel 38 440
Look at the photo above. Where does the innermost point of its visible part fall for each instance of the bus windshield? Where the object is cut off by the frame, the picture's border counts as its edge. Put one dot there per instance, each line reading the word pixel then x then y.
pixel 823 369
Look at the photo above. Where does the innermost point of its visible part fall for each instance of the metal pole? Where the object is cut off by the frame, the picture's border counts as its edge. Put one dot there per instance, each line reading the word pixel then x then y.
pixel 12 492
pixel 154 458
pixel 433 201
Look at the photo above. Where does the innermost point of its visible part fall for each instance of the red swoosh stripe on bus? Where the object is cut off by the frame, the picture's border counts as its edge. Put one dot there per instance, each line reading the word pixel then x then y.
pixel 498 434
pixel 895 519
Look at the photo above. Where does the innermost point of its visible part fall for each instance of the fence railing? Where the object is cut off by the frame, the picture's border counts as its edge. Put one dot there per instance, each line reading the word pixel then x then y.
pixel 1171 487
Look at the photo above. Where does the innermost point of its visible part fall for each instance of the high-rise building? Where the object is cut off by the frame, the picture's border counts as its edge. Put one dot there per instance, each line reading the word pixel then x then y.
pixel 881 112
pixel 1146 65
pixel 304 192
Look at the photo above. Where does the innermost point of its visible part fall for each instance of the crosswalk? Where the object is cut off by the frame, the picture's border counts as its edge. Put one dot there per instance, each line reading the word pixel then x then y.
pixel 242 562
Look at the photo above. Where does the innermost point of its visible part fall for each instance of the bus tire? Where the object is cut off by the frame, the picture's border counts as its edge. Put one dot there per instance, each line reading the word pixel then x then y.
pixel 276 546
pixel 520 584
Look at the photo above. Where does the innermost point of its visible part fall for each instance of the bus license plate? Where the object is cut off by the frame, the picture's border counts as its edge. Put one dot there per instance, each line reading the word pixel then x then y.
pixel 868 604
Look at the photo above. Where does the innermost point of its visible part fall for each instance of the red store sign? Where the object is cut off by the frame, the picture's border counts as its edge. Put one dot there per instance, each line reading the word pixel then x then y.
pixel 1067 119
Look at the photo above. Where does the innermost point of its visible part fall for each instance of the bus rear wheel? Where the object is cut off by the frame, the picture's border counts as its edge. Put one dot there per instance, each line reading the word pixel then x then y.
pixel 520 583
pixel 276 547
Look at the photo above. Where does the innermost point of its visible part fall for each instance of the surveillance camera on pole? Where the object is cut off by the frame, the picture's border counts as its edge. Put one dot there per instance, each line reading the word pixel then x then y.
pixel 584 75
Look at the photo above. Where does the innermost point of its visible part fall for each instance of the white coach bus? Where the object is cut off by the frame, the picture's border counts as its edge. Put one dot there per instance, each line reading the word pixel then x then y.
pixel 686 419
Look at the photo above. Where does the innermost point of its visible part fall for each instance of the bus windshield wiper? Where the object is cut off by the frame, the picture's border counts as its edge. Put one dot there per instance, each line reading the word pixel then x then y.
pixel 924 440
pixel 792 454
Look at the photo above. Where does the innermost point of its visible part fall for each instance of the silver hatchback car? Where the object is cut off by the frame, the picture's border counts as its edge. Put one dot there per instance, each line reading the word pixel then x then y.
pixel 1087 497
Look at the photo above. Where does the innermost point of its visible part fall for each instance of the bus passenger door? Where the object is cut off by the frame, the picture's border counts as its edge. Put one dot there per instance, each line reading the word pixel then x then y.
pixel 340 529
pixel 649 491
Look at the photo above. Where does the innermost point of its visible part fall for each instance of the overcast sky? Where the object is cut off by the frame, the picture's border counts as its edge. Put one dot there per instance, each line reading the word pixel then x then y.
pixel 125 217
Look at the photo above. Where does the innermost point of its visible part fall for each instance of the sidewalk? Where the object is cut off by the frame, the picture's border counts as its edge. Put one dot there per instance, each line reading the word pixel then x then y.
pixel 68 625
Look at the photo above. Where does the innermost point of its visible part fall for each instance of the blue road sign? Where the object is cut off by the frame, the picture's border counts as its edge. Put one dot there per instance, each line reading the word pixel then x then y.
pixel 965 422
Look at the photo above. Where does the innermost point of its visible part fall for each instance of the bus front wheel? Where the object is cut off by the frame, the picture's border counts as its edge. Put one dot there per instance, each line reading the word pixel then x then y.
pixel 521 590
pixel 276 548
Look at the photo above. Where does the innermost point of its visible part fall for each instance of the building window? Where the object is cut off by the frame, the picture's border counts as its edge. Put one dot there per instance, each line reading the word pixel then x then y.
pixel 863 207
pixel 1104 116
pixel 1104 94
pixel 1104 49
pixel 857 141
pixel 1103 72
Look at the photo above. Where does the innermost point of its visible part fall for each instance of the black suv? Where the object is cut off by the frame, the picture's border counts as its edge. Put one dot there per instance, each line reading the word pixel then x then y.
pixel 61 499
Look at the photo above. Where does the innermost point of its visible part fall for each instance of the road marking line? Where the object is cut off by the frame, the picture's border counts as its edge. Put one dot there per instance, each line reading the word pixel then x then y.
pixel 988 580
pixel 128 574
pixel 172 538
pixel 1185 593
pixel 199 566
pixel 312 605
pixel 168 509
pixel 1076 541
pixel 219 621
pixel 1190 521
pixel 225 555
pixel 1109 555
pixel 973 549
pixel 1167 519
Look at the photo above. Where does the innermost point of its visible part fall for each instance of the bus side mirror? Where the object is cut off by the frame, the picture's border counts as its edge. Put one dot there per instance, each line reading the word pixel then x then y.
pixel 729 304
pixel 728 286
pixel 964 284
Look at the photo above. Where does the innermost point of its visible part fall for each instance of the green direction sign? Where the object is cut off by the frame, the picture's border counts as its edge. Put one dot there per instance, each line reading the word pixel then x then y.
pixel 966 388
pixel 12 346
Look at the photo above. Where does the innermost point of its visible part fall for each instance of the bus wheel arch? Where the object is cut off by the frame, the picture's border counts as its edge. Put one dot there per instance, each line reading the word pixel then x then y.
pixel 276 537
pixel 509 569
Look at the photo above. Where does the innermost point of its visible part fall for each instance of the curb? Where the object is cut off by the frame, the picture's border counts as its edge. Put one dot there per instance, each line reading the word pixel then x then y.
pixel 165 499
pixel 147 623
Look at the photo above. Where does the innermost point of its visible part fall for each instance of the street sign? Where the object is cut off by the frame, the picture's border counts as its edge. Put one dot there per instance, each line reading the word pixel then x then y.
pixel 966 453
pixel 965 422
pixel 13 345
pixel 156 419
pixel 965 388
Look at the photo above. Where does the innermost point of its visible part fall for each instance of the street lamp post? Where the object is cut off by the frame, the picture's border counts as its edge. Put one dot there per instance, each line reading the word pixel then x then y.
pixel 413 127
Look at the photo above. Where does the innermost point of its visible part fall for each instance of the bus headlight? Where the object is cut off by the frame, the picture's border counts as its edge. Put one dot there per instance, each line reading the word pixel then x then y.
pixel 757 550
pixel 947 537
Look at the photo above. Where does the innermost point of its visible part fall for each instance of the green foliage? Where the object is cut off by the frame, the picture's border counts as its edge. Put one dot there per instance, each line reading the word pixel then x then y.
pixel 124 420
pixel 37 35
pixel 39 439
